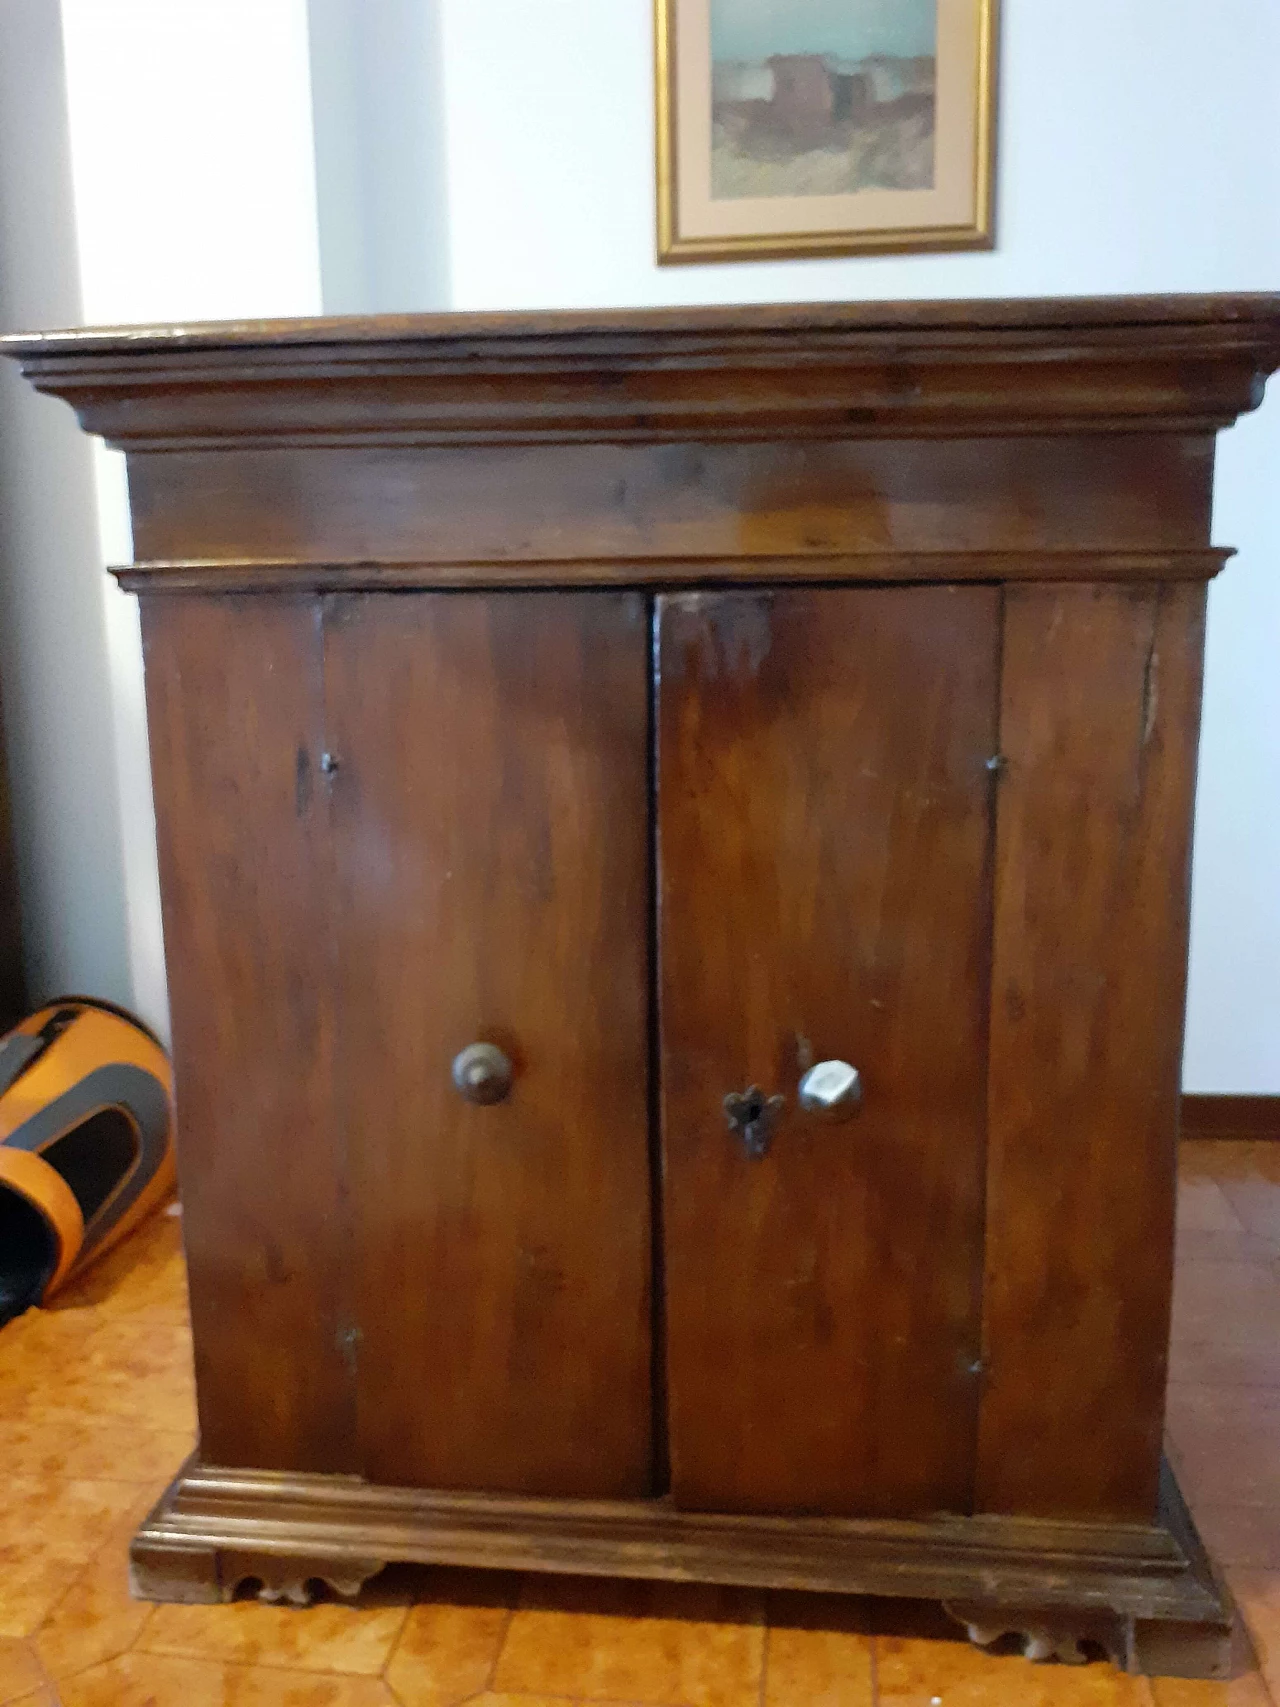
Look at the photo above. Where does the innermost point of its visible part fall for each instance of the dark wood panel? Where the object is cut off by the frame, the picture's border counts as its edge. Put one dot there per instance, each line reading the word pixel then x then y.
pixel 269 575
pixel 234 702
pixel 824 833
pixel 1248 1117
pixel 1099 725
pixel 490 810
pixel 599 501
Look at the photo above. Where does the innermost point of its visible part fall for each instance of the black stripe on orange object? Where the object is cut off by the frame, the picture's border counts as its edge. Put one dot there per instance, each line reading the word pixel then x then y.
pixel 86 1142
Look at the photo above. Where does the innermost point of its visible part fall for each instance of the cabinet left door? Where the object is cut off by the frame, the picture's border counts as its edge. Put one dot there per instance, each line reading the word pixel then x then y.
pixel 488 790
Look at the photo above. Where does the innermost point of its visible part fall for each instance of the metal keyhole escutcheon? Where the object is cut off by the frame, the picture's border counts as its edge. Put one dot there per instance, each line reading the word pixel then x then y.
pixel 753 1116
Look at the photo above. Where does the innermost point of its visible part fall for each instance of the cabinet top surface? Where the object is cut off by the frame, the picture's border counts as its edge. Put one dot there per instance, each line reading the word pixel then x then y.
pixel 1201 319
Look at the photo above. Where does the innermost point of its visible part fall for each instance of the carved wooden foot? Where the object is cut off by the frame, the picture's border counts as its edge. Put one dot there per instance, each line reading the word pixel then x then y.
pixel 174 1570
pixel 168 1570
pixel 1214 1648
pixel 1045 1633
pixel 293 1578
pixel 1162 1648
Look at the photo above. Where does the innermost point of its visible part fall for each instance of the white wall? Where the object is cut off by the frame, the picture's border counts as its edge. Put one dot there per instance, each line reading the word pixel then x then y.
pixel 1233 1016
pixel 377 102
pixel 53 643
pixel 1137 152
pixel 194 187
pixel 152 168
pixel 490 153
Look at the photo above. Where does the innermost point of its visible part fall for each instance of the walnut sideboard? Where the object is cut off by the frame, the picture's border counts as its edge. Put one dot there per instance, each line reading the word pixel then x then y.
pixel 674 834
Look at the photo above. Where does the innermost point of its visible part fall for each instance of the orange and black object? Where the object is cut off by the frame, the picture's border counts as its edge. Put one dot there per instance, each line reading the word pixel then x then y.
pixel 86 1142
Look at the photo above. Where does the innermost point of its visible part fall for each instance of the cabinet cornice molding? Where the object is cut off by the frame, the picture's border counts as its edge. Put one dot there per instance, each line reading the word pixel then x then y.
pixel 865 370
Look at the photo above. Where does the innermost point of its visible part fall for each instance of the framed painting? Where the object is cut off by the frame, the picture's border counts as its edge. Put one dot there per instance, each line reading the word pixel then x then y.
pixel 823 127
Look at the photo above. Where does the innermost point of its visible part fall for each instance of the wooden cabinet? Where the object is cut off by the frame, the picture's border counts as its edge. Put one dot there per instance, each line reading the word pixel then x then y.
pixel 671 704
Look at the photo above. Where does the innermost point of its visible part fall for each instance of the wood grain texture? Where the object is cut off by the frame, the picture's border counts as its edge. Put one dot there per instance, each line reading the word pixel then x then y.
pixel 491 853
pixel 1225 318
pixel 1099 725
pixel 234 704
pixel 475 859
pixel 679 375
pixel 600 501
pixel 824 829
pixel 1144 1570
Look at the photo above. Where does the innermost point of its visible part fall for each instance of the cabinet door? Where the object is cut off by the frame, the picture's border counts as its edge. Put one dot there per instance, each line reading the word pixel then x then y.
pixel 490 839
pixel 824 839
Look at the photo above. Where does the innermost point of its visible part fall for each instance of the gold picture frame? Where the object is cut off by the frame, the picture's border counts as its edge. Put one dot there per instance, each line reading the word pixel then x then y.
pixel 746 174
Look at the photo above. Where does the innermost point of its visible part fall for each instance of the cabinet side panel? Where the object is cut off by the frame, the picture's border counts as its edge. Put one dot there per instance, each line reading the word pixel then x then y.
pixel 233 694
pixel 1099 726
pixel 824 832
pixel 491 845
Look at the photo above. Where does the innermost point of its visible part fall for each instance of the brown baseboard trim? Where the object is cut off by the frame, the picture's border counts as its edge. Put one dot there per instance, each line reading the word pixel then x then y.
pixel 1231 1117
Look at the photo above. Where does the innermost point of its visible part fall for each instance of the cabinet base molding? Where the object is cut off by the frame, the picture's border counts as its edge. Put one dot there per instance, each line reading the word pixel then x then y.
pixel 1146 1593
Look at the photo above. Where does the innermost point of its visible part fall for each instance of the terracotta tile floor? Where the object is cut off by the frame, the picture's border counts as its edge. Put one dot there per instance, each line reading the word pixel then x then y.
pixel 96 1412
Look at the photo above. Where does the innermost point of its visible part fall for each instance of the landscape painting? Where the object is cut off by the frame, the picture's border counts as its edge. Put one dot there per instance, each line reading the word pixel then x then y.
pixel 823 126
pixel 822 97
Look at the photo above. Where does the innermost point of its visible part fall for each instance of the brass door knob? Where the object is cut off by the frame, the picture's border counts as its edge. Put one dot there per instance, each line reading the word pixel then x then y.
pixel 832 1089
pixel 482 1073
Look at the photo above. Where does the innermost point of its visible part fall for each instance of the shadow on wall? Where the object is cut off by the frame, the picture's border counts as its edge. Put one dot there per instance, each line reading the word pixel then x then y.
pixel 54 665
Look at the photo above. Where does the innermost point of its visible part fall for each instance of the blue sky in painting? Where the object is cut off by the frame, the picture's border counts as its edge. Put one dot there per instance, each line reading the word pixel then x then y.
pixel 846 29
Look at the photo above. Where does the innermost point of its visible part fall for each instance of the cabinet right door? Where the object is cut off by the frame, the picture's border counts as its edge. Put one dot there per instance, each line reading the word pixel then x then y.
pixel 824 878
